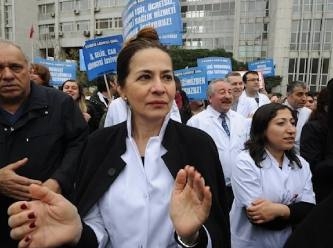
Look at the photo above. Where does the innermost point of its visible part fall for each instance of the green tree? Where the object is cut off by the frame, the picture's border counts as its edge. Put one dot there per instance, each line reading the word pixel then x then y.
pixel 73 54
pixel 188 57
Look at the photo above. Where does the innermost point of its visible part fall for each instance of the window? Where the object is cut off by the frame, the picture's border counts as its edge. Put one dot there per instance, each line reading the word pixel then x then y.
pixel 118 22
pixel 82 25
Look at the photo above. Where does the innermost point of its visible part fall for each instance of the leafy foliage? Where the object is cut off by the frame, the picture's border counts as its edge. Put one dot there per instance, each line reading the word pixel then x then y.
pixel 188 57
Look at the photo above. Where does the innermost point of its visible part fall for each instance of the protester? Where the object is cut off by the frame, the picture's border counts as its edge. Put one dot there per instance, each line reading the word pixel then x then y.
pixel 227 128
pixel 182 102
pixel 40 74
pixel 316 229
pixel 251 98
pixel 313 142
pixel 271 184
pixel 102 98
pixel 42 133
pixel 147 182
pixel 236 81
pixel 296 99
pixel 310 101
pixel 75 90
pixel 322 154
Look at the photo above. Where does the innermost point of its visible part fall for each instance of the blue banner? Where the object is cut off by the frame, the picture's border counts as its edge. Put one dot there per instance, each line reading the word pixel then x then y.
pixel 60 70
pixel 163 15
pixel 265 66
pixel 216 67
pixel 193 82
pixel 100 55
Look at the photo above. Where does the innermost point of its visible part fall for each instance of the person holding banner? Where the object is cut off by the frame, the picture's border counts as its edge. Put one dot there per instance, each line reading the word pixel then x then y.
pixel 147 182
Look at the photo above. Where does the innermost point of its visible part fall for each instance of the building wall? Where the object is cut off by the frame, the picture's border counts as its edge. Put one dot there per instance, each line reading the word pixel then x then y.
pixel 16 19
pixel 279 38
pixel 297 34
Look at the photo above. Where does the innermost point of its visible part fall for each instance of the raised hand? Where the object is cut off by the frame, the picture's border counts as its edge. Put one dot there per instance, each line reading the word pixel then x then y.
pixel 13 185
pixel 190 203
pixel 48 221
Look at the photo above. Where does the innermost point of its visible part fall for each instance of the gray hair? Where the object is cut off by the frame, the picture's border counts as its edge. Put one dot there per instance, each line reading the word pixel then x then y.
pixel 291 86
pixel 210 90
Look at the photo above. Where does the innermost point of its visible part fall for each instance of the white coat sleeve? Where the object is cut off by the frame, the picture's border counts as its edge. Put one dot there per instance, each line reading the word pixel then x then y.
pixel 245 181
pixel 95 221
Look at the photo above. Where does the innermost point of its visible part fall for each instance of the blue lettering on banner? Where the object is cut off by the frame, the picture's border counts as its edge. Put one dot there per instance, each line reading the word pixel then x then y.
pixel 60 70
pixel 100 55
pixel 193 81
pixel 163 15
pixel 265 66
pixel 216 67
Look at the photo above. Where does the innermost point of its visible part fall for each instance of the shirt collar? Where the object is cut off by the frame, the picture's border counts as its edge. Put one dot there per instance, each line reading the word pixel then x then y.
pixel 216 113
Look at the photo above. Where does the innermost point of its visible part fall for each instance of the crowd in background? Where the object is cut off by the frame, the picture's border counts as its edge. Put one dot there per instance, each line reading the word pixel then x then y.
pixel 153 168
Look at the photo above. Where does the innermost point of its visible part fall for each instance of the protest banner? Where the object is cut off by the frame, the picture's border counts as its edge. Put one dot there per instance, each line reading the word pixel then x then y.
pixel 60 70
pixel 193 81
pixel 163 15
pixel 216 67
pixel 100 55
pixel 265 66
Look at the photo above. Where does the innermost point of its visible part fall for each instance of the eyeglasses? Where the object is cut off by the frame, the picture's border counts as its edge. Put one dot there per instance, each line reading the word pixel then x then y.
pixel 253 79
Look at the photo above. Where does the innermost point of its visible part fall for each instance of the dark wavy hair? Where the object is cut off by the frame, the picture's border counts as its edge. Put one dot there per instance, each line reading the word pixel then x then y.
pixel 146 38
pixel 258 140
pixel 320 113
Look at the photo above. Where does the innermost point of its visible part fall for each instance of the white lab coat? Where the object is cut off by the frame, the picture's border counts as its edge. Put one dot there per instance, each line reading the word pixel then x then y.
pixel 247 106
pixel 228 147
pixel 286 185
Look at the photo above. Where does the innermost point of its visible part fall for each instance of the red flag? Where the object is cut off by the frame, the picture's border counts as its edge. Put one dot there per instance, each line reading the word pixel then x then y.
pixel 31 33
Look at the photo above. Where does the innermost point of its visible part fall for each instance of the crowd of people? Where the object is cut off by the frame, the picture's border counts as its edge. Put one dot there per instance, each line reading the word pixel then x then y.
pixel 139 164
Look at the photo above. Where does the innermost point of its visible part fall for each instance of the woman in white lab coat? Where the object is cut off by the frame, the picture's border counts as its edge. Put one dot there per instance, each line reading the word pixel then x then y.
pixel 272 185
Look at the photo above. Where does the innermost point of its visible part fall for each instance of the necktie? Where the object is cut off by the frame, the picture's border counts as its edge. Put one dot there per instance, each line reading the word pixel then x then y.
pixel 257 100
pixel 224 124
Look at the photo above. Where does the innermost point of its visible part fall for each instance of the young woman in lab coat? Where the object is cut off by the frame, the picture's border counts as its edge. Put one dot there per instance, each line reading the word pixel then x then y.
pixel 146 182
pixel 272 185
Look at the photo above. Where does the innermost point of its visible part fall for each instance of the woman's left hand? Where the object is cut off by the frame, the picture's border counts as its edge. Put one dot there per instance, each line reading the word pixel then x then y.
pixel 190 203
pixel 263 211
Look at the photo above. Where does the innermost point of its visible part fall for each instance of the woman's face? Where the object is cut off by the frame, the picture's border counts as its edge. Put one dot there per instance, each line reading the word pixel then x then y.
pixel 150 87
pixel 72 89
pixel 281 131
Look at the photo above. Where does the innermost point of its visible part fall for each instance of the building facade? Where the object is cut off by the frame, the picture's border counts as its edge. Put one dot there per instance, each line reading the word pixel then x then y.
pixel 16 21
pixel 297 34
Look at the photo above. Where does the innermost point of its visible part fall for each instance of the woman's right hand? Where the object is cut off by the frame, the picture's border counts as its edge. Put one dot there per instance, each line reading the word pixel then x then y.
pixel 48 221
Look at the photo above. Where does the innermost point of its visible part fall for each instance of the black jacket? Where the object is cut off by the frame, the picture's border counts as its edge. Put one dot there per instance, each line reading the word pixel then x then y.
pixel 51 133
pixel 102 163
pixel 316 229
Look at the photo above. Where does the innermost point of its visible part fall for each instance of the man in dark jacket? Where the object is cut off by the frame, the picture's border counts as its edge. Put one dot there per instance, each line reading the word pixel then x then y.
pixel 42 132
pixel 102 97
